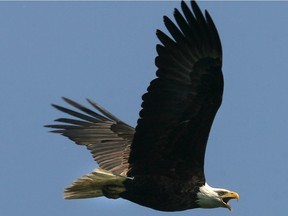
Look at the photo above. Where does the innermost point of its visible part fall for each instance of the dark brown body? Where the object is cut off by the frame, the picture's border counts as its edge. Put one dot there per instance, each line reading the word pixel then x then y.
pixel 162 193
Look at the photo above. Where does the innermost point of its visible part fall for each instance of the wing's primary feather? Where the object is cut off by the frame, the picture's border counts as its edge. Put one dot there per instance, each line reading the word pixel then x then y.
pixel 107 137
pixel 181 103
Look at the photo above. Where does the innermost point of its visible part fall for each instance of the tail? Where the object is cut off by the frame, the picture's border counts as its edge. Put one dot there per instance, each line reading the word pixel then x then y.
pixel 95 184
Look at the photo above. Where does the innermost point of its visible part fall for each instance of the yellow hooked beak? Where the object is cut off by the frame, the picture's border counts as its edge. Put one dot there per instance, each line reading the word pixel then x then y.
pixel 228 196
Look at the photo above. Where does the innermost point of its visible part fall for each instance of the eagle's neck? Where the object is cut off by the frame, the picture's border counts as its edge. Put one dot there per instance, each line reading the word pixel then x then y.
pixel 208 198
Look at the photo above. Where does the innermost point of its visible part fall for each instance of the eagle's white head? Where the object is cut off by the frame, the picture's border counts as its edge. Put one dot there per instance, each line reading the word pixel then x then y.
pixel 209 197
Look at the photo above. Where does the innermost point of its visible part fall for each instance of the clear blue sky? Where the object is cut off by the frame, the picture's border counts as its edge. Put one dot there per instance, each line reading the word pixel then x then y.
pixel 105 51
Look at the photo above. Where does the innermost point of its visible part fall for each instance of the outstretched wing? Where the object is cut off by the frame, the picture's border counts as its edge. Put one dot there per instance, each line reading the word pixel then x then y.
pixel 181 103
pixel 107 137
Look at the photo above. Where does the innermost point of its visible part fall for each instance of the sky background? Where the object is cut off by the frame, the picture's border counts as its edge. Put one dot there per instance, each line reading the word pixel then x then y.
pixel 105 51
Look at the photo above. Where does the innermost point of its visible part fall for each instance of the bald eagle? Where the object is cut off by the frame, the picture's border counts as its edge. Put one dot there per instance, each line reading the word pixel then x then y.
pixel 160 163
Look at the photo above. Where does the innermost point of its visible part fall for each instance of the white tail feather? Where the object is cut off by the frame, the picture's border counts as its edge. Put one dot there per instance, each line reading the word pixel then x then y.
pixel 95 184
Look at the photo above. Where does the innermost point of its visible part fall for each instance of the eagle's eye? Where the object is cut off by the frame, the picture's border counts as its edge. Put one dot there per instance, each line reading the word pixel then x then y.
pixel 221 193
